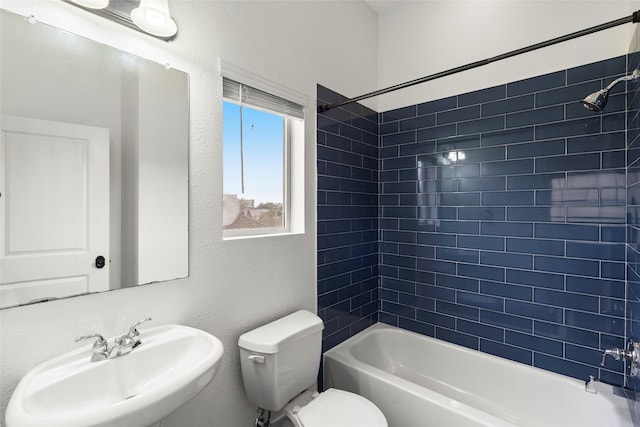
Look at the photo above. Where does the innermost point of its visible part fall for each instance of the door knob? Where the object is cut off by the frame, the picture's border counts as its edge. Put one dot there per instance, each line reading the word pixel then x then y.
pixel 100 261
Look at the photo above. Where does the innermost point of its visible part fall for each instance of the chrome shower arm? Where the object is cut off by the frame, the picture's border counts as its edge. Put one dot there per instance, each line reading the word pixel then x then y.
pixel 633 76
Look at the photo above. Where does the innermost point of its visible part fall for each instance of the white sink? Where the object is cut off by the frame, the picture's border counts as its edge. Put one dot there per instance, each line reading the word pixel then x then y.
pixel 171 366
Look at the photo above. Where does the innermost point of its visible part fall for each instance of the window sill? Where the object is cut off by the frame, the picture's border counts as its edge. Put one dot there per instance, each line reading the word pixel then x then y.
pixel 278 233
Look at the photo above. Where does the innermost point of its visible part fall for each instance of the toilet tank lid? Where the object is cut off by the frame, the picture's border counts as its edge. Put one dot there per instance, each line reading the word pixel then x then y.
pixel 274 336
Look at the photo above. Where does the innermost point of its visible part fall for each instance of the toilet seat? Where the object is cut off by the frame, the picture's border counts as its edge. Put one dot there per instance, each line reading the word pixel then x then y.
pixel 339 408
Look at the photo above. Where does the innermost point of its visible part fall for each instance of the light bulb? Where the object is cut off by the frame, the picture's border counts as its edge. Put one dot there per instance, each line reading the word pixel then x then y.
pixel 153 17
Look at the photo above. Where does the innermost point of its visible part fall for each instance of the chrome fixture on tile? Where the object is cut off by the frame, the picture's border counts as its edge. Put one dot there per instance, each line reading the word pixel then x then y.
pixel 589 385
pixel 598 100
pixel 122 345
pixel 631 354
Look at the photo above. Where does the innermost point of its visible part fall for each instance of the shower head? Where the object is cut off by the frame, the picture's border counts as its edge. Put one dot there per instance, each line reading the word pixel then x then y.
pixel 598 100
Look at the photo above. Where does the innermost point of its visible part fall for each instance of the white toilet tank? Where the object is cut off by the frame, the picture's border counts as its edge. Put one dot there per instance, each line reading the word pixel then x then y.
pixel 281 359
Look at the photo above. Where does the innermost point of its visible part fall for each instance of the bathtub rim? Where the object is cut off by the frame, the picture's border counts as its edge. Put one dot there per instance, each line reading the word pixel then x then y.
pixel 341 353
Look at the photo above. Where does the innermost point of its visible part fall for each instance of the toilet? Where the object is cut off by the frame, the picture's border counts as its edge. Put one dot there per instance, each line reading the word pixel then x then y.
pixel 279 363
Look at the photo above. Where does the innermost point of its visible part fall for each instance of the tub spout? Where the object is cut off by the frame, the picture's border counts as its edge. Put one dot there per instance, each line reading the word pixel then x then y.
pixel 589 385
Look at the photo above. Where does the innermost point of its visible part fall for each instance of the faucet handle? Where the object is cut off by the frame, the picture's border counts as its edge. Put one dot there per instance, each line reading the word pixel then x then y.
pixel 99 344
pixel 99 338
pixel 133 330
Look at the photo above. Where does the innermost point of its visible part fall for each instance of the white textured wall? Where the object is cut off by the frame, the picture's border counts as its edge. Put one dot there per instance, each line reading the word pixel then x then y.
pixel 421 38
pixel 233 285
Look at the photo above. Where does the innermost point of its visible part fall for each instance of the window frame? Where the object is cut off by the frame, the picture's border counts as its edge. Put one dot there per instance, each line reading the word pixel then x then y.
pixel 293 222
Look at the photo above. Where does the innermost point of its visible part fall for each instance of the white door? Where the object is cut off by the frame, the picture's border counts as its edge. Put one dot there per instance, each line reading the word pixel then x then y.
pixel 54 209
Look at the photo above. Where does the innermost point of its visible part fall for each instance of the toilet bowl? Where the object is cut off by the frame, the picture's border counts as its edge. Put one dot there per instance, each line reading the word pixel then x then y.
pixel 335 408
pixel 280 362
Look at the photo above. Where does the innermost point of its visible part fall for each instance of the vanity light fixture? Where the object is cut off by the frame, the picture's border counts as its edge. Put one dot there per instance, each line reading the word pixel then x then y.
pixel 148 16
pixel 154 18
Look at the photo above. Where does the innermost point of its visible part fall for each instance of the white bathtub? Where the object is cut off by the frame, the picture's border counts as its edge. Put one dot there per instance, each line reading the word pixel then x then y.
pixel 419 381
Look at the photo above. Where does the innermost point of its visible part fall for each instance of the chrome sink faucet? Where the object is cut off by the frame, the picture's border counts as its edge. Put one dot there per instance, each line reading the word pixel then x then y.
pixel 100 347
pixel 126 343
pixel 122 345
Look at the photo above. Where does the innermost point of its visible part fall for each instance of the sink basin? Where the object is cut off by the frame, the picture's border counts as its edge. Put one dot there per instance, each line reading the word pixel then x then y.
pixel 171 366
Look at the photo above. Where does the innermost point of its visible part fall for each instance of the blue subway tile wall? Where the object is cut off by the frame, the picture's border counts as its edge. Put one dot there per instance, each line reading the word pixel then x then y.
pixel 347 221
pixel 502 220
pixel 508 220
pixel 633 203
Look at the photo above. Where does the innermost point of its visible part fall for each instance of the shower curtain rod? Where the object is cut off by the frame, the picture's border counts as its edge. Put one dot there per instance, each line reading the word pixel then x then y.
pixel 635 17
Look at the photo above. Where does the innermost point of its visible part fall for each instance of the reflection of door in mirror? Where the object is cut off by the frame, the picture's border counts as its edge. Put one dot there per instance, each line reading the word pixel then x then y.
pixel 50 74
pixel 54 205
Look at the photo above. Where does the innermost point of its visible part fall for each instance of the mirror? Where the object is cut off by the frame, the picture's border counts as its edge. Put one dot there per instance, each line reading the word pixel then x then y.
pixel 93 166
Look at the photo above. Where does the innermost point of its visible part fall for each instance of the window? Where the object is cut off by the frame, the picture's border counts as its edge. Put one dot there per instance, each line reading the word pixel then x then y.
pixel 259 130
